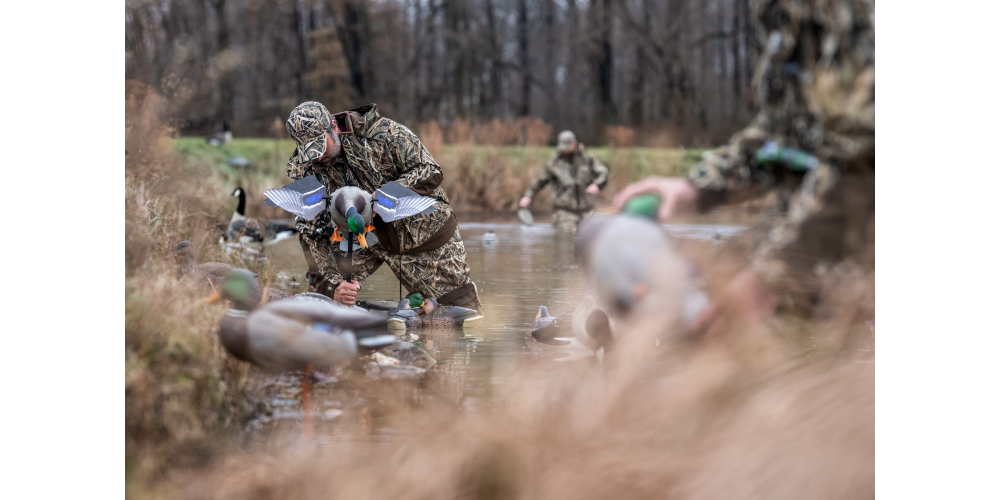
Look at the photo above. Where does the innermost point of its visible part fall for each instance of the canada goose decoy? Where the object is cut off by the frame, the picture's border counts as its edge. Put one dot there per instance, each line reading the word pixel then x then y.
pixel 220 138
pixel 292 334
pixel 242 230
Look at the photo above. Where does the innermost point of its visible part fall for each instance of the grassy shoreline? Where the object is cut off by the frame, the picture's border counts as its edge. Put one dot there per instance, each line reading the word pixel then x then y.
pixel 477 178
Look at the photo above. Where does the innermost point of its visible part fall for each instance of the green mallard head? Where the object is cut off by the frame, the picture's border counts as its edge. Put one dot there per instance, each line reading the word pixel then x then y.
pixel 416 300
pixel 355 222
pixel 240 286
pixel 644 205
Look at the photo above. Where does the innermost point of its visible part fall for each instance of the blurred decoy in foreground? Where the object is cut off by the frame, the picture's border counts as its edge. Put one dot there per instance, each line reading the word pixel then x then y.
pixel 629 258
pixel 220 138
pixel 292 334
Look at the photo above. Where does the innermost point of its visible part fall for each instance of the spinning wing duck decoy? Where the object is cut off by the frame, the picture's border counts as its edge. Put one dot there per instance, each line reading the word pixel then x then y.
pixel 351 208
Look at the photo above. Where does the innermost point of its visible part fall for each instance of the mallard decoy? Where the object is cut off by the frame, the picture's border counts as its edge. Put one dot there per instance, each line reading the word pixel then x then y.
pixel 291 334
pixel 306 198
pixel 432 314
pixel 351 211
pixel 242 230
pixel 415 311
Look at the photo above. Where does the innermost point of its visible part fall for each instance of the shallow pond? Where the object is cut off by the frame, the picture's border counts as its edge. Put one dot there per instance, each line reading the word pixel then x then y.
pixel 524 267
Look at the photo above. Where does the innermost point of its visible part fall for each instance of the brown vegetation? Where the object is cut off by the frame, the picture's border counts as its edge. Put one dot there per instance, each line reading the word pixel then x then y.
pixel 781 411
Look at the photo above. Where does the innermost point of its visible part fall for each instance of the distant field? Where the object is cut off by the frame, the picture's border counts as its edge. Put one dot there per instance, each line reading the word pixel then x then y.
pixel 476 177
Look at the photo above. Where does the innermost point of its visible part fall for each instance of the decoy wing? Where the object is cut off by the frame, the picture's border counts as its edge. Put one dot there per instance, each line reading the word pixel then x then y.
pixel 393 201
pixel 304 197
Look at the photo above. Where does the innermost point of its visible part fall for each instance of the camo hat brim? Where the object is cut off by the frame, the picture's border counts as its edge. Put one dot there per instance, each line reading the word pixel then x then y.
pixel 307 125
pixel 566 140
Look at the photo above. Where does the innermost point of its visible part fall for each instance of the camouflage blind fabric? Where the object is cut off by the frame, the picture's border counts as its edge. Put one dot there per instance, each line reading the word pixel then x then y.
pixel 815 83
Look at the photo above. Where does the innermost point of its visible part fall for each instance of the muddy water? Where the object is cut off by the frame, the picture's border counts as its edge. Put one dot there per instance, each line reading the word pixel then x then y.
pixel 524 267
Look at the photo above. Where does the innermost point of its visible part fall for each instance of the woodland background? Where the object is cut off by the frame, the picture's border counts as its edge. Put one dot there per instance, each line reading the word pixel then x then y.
pixel 641 72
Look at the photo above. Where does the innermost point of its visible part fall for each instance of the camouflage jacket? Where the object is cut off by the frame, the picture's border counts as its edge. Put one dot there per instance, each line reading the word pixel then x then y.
pixel 378 150
pixel 815 83
pixel 570 177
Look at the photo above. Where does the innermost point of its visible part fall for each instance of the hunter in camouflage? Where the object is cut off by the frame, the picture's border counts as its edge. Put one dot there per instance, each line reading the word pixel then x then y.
pixel 815 84
pixel 576 176
pixel 424 251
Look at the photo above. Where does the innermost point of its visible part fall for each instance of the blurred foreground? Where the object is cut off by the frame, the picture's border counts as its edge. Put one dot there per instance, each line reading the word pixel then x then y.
pixel 786 410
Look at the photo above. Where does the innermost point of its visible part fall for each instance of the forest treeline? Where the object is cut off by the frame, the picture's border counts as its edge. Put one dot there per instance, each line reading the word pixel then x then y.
pixel 677 72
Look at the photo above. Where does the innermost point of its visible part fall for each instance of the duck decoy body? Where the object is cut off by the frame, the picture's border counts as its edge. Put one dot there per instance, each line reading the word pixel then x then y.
pixel 415 311
pixel 351 210
pixel 293 333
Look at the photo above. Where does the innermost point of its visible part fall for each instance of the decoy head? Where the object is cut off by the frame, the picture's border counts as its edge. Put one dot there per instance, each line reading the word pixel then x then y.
pixel 239 286
pixel 356 223
pixel 186 258
pixel 416 300
pixel 238 191
pixel 428 306
pixel 644 205
pixel 543 312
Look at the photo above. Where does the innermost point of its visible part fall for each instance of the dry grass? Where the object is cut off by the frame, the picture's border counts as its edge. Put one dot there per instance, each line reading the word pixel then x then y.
pixel 781 411
pixel 181 391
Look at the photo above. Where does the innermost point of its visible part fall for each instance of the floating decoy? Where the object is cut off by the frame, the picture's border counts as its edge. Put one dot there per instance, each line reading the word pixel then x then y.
pixel 220 138
pixel 415 311
pixel 490 238
pixel 587 325
pixel 292 334
pixel 243 231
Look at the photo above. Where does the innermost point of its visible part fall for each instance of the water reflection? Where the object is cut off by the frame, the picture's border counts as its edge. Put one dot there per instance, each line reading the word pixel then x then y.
pixel 519 270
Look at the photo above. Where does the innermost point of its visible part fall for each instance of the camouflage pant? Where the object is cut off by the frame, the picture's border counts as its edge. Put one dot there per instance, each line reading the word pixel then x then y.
pixel 564 220
pixel 434 274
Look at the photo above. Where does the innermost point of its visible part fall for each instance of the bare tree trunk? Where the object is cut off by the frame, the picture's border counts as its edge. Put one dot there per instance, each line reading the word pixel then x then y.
pixel 496 61
pixel 522 55
pixel 300 51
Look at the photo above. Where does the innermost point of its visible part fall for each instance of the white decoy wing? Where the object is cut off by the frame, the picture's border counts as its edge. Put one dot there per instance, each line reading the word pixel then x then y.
pixel 393 201
pixel 304 197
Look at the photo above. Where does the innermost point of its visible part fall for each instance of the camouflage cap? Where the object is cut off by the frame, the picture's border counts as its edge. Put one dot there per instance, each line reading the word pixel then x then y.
pixel 308 124
pixel 566 140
